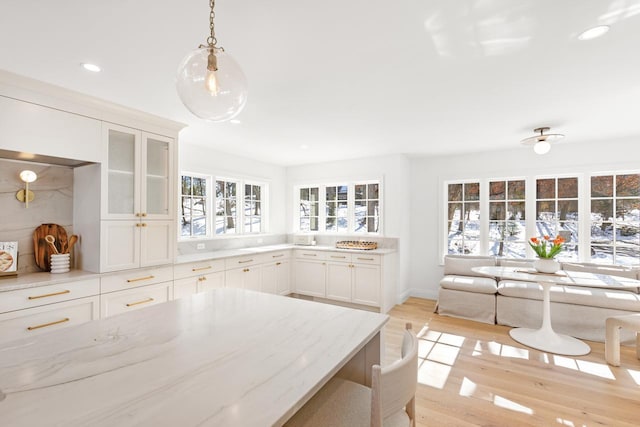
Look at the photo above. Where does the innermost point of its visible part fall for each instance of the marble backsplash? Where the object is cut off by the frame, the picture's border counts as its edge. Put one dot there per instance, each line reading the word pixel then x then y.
pixel 53 203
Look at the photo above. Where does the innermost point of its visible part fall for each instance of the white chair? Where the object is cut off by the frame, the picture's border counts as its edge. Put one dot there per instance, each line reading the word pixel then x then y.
pixel 390 402
pixel 612 338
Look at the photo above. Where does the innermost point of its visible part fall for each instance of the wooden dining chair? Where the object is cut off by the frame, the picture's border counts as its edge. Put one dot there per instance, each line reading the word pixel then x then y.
pixel 390 402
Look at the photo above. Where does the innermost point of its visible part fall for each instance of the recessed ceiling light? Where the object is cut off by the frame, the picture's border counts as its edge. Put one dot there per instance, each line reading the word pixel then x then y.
pixel 594 32
pixel 91 67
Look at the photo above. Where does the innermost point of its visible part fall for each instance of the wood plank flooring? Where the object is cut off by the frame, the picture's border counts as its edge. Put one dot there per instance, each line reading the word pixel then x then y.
pixel 473 374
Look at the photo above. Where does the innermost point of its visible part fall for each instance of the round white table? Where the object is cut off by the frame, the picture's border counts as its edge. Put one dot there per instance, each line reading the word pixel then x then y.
pixel 545 338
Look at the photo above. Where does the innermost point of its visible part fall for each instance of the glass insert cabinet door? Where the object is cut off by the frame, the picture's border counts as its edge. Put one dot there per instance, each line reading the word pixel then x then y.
pixel 156 181
pixel 122 180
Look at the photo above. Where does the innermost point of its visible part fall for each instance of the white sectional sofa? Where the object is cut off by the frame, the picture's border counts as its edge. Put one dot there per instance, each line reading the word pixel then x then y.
pixel 576 311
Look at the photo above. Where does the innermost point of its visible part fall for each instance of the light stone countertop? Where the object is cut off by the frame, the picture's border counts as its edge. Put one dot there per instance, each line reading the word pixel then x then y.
pixel 203 256
pixel 228 357
pixel 32 280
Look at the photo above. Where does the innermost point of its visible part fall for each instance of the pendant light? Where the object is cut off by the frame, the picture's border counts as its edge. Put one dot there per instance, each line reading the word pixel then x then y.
pixel 210 82
pixel 542 143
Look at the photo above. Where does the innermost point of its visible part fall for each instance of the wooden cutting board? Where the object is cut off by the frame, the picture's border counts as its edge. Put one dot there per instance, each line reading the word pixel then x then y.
pixel 41 249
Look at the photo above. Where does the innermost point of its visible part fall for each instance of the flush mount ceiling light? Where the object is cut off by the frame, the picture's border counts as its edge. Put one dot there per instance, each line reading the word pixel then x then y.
pixel 210 82
pixel 91 67
pixel 594 32
pixel 542 143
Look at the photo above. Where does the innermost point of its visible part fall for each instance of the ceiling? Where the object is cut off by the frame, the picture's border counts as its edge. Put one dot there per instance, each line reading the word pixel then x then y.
pixel 340 79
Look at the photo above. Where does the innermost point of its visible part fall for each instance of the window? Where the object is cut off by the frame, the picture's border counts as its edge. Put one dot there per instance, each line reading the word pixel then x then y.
pixel 463 219
pixel 252 208
pixel 337 208
pixel 557 212
pixel 615 218
pixel 507 229
pixel 226 203
pixel 193 206
pixel 348 207
pixel 309 209
pixel 367 208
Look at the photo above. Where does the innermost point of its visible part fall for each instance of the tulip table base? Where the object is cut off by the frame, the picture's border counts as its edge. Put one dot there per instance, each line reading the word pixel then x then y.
pixel 545 338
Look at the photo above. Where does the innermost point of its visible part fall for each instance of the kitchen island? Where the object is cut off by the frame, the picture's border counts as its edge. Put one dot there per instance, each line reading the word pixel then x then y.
pixel 225 357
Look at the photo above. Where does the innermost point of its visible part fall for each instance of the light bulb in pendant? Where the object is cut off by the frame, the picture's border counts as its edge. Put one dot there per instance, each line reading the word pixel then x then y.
pixel 211 83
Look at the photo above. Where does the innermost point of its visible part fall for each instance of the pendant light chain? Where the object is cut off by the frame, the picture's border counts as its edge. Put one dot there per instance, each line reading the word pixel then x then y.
pixel 211 40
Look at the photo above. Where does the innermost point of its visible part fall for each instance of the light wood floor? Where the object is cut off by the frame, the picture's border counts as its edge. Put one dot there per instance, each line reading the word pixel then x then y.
pixel 473 374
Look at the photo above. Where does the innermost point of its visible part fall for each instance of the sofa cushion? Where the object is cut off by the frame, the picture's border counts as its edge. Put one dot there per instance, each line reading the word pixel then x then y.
pixel 611 270
pixel 594 297
pixel 461 265
pixel 480 285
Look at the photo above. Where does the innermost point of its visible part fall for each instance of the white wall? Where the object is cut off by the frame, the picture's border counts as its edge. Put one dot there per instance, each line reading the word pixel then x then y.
pixel 393 170
pixel 429 173
pixel 205 160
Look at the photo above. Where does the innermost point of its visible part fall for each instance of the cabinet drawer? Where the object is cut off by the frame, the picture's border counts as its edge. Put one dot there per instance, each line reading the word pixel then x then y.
pixel 245 261
pixel 310 255
pixel 366 259
pixel 134 299
pixel 191 269
pixel 277 256
pixel 38 320
pixel 339 256
pixel 42 295
pixel 135 278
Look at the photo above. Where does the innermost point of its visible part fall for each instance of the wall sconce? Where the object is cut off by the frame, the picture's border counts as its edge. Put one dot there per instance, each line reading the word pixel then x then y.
pixel 26 195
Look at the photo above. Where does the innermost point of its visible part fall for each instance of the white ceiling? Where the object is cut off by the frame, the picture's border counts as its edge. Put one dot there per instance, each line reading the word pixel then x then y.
pixel 352 78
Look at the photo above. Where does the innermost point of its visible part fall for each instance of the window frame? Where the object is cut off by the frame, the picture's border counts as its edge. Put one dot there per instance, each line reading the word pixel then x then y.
pixel 211 204
pixel 322 206
pixel 208 206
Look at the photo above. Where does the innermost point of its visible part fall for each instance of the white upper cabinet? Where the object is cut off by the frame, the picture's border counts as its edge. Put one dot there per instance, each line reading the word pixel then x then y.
pixel 137 175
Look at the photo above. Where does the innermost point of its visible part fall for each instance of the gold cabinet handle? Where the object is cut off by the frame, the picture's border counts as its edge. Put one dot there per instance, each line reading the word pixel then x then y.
pixel 201 268
pixel 278 263
pixel 351 265
pixel 245 270
pixel 144 301
pixel 66 291
pixel 310 254
pixel 138 224
pixel 140 278
pixel 366 259
pixel 44 325
pixel 138 214
pixel 201 279
pixel 144 214
pixel 144 224
pixel 245 261
pixel 277 256
pixel 335 256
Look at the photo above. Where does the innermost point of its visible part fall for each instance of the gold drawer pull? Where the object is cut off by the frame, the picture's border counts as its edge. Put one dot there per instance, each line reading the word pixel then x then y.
pixel 243 262
pixel 141 278
pixel 335 256
pixel 144 224
pixel 201 268
pixel 201 279
pixel 366 259
pixel 246 270
pixel 277 256
pixel 144 301
pixel 278 263
pixel 44 325
pixel 66 291
pixel 310 254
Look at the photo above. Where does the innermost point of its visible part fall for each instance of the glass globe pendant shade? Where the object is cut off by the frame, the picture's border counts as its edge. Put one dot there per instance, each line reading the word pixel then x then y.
pixel 216 96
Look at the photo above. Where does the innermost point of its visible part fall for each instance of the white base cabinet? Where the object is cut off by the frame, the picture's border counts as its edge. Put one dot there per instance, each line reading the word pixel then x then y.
pixel 310 277
pixel 276 277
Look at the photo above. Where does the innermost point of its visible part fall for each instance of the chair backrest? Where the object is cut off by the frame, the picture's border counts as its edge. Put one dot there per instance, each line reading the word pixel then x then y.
pixel 394 387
